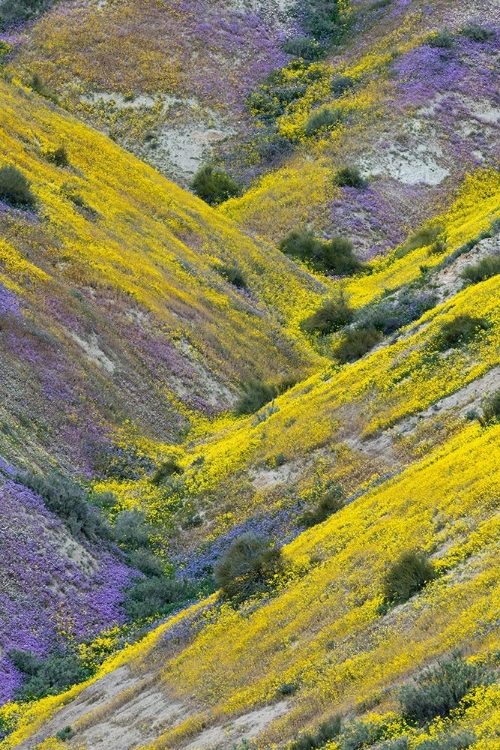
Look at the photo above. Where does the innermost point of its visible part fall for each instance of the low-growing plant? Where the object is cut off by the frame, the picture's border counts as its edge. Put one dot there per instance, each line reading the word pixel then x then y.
pixel 234 275
pixel 459 331
pixel 48 676
pixel 349 177
pixel 305 47
pixel 331 502
pixel 410 573
pixel 214 186
pixel 167 469
pixel 153 596
pixel 356 343
pixel 65 734
pixel 360 734
pixel 249 565
pixel 15 188
pixel 333 315
pixel 146 562
pixel 491 409
pixel 131 530
pixel 38 85
pixel 424 237
pixel 327 731
pixel 484 269
pixel 438 690
pixel 57 156
pixel 287 688
pixel 341 85
pixel 391 314
pixel 255 394
pixel 322 120
pixel 460 740
pixel 476 33
pixel 442 39
pixel 13 11
pixel 334 256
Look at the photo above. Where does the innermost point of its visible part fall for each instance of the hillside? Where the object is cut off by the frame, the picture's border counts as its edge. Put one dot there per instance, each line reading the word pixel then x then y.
pixel 249 475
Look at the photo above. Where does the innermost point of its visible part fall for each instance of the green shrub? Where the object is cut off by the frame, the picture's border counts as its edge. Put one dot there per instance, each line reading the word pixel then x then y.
pixel 40 87
pixel 408 575
pixel 323 119
pixel 331 502
pixel 255 394
pixel 234 275
pixel 331 316
pixel 438 690
pixel 459 331
pixel 49 676
pixel 482 270
pixel 349 177
pixel 442 39
pixel 167 469
pixel 131 529
pixel 334 256
pixel 476 33
pixel 153 596
pixel 356 343
pixel 13 11
pixel 146 562
pixel 65 734
pixel 287 688
pixel 461 740
pixel 390 315
pixel 328 730
pixel 305 47
pixel 248 566
pixel 491 409
pixel 214 186
pixel 360 734
pixel 341 85
pixel 301 243
pixel 58 156
pixel 15 188
pixel 70 502
pixel 424 237
pixel 321 19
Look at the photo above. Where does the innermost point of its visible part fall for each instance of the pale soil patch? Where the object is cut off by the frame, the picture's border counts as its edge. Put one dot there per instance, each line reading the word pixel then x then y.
pixel 94 352
pixel 448 281
pixel 265 479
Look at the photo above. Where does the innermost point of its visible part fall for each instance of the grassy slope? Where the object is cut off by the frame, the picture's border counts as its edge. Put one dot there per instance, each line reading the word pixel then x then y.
pixel 143 255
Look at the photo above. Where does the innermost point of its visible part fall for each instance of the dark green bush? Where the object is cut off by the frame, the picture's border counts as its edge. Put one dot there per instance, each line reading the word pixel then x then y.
pixel 438 690
pixel 334 256
pixel 168 468
pixel 390 315
pixel 356 343
pixel 58 156
pixel 13 11
pixel 328 730
pixel 234 275
pixel 214 186
pixel 424 237
pixel 459 331
pixel 321 19
pixel 255 394
pixel 323 119
pixel 49 676
pixel 460 740
pixel 305 47
pixel 491 409
pixel 146 562
pixel 331 502
pixel 408 575
pixel 477 33
pixel 40 87
pixel 154 596
pixel 248 566
pixel 301 243
pixel 331 316
pixel 131 529
pixel 482 270
pixel 349 177
pixel 442 39
pixel 360 734
pixel 287 688
pixel 15 188
pixel 341 85
pixel 70 502
pixel 65 734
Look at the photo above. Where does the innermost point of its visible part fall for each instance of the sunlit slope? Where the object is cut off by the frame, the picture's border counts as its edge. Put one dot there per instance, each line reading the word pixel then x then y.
pixel 324 631
pixel 115 303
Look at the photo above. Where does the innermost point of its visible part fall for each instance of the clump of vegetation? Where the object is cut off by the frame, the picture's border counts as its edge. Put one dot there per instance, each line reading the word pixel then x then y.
pixel 491 409
pixel 49 676
pixel 411 572
pixel 484 269
pixel 13 11
pixel 305 47
pixel 328 730
pixel 460 331
pixel 333 315
pixel 334 256
pixel 424 237
pixel 70 502
pixel 356 343
pixel 438 690
pixel 390 315
pixel 441 39
pixel 476 33
pixel 460 740
pixel 65 734
pixel 15 188
pixel 40 87
pixel 361 734
pixel 57 156
pixel 167 469
pixel 248 566
pixel 131 529
pixel 214 186
pixel 234 275
pixel 324 119
pixel 330 502
pixel 349 177
pixel 255 394
pixel 155 595
pixel 341 85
